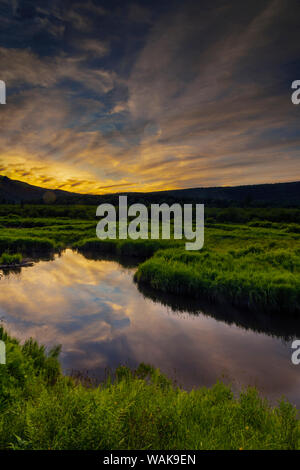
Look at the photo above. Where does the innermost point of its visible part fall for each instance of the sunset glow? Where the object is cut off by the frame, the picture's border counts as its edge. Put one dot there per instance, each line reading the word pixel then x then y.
pixel 110 98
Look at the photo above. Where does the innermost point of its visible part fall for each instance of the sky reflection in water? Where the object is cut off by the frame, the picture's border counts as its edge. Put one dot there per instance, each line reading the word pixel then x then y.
pixel 94 309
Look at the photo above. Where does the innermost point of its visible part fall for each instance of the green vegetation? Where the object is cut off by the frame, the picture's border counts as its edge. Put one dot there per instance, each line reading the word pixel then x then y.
pixel 8 259
pixel 141 409
pixel 26 245
pixel 251 256
pixel 212 214
pixel 249 277
pixel 135 248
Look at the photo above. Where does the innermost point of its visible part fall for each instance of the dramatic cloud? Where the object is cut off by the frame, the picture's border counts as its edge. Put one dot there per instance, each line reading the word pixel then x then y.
pixel 108 95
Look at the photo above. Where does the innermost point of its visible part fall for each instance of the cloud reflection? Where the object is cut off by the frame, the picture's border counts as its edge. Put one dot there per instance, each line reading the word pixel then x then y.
pixel 96 312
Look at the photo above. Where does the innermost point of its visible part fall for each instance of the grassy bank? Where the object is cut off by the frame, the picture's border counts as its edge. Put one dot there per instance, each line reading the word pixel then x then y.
pixel 249 277
pixel 251 256
pixel 141 409
pixel 10 260
pixel 131 248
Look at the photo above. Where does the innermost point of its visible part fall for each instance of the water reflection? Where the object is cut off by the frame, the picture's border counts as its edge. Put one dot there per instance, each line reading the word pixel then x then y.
pixel 285 327
pixel 95 310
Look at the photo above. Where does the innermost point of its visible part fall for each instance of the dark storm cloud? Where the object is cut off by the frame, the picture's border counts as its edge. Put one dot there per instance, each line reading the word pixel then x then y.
pixel 169 94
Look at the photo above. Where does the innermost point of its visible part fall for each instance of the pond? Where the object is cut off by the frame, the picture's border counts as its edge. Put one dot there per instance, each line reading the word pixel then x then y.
pixel 102 319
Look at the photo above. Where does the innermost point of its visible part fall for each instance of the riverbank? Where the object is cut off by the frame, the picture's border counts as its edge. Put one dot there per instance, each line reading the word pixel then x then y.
pixel 254 266
pixel 134 409
pixel 249 277
pixel 251 257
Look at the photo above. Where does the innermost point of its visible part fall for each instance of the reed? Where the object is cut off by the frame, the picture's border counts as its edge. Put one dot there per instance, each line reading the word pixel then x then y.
pixel 132 409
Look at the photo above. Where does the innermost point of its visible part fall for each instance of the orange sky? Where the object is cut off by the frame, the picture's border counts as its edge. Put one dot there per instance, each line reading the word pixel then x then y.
pixel 175 97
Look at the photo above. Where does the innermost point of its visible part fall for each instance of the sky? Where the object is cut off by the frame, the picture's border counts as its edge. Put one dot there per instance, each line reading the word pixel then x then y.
pixel 118 96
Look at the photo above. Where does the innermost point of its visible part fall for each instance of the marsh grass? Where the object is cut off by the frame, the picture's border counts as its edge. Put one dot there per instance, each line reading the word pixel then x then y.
pixel 130 248
pixel 249 277
pixel 250 256
pixel 133 409
pixel 8 259
pixel 26 245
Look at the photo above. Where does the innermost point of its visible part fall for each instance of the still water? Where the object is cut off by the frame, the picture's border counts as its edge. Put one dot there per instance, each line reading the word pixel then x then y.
pixel 101 318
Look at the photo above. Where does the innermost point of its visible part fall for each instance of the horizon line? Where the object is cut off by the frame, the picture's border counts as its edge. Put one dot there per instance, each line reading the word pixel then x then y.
pixel 148 192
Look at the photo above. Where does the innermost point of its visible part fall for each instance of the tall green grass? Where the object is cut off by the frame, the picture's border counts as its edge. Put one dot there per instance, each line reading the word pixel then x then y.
pixel 8 259
pixel 250 257
pixel 26 244
pixel 131 248
pixel 133 409
pixel 248 277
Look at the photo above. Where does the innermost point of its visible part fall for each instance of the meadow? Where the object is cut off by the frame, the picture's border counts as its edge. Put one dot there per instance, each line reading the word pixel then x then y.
pixel 250 259
pixel 131 409
pixel 251 256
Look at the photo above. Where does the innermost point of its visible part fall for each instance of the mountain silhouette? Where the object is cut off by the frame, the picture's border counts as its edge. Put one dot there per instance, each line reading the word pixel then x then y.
pixel 276 194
